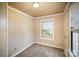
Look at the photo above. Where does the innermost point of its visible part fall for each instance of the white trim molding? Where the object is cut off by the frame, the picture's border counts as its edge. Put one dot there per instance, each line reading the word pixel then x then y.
pixel 22 50
pixel 48 16
pixel 19 11
pixel 50 45
pixel 67 6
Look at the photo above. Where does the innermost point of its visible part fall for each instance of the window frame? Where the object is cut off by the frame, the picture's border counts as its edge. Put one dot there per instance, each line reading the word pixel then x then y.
pixel 47 19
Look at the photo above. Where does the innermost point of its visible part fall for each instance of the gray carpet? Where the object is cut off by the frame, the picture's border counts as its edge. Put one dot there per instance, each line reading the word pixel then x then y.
pixel 37 50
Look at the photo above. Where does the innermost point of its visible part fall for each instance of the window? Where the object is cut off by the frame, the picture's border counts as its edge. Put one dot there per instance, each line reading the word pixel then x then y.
pixel 47 29
pixel 74 43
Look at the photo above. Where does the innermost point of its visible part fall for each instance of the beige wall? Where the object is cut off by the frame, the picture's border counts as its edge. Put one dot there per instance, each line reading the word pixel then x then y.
pixel 58 32
pixel 20 33
pixel 70 14
pixel 3 30
pixel 66 32
pixel 23 29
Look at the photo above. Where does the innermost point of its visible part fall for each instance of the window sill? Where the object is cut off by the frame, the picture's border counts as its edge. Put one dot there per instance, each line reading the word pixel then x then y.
pixel 46 39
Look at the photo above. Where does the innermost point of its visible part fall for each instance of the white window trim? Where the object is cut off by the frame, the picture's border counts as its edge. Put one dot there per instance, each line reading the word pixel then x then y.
pixel 47 19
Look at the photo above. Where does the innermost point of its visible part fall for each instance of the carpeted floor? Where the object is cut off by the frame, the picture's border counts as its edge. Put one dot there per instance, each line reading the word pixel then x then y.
pixel 37 50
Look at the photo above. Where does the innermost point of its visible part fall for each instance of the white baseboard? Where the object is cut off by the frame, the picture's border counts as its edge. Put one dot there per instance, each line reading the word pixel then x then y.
pixel 22 50
pixel 65 53
pixel 27 47
pixel 71 54
pixel 50 45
